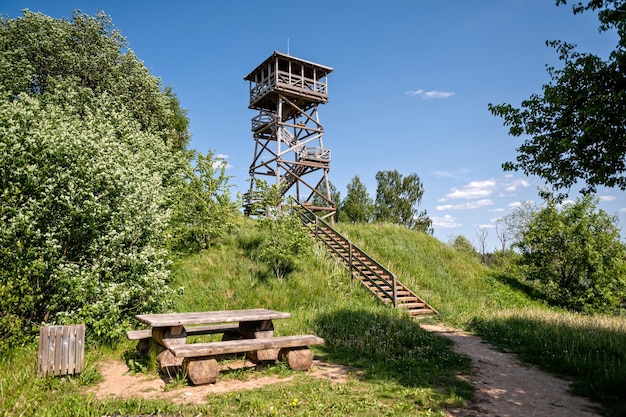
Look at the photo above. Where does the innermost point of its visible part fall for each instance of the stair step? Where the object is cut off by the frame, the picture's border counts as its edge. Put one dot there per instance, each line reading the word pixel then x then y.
pixel 421 312
pixel 412 305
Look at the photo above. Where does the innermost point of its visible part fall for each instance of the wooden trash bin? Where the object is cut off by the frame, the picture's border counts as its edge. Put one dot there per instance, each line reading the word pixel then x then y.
pixel 61 350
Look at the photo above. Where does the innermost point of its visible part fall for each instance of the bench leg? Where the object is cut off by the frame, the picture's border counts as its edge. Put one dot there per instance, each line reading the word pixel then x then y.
pixel 263 329
pixel 168 363
pixel 298 359
pixel 143 346
pixel 201 370
pixel 265 355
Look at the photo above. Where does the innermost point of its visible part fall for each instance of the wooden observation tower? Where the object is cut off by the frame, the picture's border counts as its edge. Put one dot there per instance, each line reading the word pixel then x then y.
pixel 287 91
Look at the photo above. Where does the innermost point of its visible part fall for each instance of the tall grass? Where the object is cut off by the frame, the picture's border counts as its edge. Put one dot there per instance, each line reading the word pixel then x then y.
pixel 590 350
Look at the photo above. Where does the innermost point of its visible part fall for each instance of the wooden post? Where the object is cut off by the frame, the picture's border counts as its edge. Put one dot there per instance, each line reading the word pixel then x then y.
pixel 298 359
pixel 61 350
pixel 259 330
pixel 201 370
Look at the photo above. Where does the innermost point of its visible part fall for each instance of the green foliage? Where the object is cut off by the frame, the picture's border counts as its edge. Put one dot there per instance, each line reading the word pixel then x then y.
pixel 81 204
pixel 40 54
pixel 358 206
pixel 202 210
pixel 576 128
pixel 576 256
pixel 463 245
pixel 284 239
pixel 397 198
pixel 284 243
pixel 400 369
pixel 90 150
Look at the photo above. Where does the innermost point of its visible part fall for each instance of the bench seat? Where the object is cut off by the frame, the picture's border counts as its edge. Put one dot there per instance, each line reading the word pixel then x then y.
pixel 200 359
pixel 190 330
pixel 195 350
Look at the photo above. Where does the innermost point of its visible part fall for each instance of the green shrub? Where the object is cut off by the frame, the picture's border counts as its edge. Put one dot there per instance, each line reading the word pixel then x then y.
pixel 82 217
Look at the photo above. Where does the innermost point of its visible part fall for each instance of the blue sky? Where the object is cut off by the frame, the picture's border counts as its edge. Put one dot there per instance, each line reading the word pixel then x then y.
pixel 409 90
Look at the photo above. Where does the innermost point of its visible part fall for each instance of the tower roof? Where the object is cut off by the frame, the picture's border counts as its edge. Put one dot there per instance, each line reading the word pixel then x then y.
pixel 322 70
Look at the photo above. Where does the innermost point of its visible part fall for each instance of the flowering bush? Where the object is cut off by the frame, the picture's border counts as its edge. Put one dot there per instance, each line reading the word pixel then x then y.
pixel 82 217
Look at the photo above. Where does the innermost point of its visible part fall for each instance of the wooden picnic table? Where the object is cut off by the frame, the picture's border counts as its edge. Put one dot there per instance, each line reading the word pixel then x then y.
pixel 169 329
pixel 250 332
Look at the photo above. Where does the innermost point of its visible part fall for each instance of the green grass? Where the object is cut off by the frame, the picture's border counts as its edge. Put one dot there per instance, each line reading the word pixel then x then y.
pixel 454 283
pixel 590 351
pixel 403 370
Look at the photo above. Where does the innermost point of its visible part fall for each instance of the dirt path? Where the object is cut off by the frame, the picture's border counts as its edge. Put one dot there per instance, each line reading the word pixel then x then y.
pixel 507 388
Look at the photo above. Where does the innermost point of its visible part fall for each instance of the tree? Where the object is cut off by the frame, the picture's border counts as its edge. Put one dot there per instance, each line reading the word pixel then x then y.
pixel 82 208
pixel 91 151
pixel 576 256
pixel 397 198
pixel 576 128
pixel 503 233
pixel 83 57
pixel 202 210
pixel 481 234
pixel 518 221
pixel 462 244
pixel 284 238
pixel 358 206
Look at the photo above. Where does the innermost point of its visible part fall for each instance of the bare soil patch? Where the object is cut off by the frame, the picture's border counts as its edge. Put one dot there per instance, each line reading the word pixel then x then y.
pixel 119 383
pixel 505 387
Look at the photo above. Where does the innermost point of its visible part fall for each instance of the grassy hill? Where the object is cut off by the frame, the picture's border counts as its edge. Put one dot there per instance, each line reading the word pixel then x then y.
pixel 403 370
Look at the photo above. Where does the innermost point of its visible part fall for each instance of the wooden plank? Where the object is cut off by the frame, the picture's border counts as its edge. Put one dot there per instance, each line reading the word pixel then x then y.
pixel 244 345
pixel 71 354
pixel 208 317
pixel 61 350
pixel 58 348
pixel 212 329
pixel 139 334
pixel 65 349
pixel 80 348
pixel 42 354
pixel 191 331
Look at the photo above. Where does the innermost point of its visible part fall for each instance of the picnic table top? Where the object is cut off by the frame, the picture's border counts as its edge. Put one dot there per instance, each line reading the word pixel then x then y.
pixel 207 317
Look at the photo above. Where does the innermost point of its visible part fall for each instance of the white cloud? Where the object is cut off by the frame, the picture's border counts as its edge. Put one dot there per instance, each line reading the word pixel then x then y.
pixel 452 174
pixel 470 205
pixel 425 95
pixel 608 198
pixel 221 160
pixel 446 222
pixel 516 184
pixel 475 189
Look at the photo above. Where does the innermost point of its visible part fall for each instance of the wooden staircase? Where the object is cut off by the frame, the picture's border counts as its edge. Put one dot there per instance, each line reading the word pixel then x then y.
pixel 375 277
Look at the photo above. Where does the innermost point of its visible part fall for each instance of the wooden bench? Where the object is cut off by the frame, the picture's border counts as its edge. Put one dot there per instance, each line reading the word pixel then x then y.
pixel 200 359
pixel 230 331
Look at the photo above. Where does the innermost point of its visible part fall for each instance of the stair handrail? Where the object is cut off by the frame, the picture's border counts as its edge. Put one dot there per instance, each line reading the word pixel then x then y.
pixel 351 261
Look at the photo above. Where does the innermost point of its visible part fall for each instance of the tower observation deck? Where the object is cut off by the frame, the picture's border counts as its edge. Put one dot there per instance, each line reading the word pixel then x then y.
pixel 286 92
